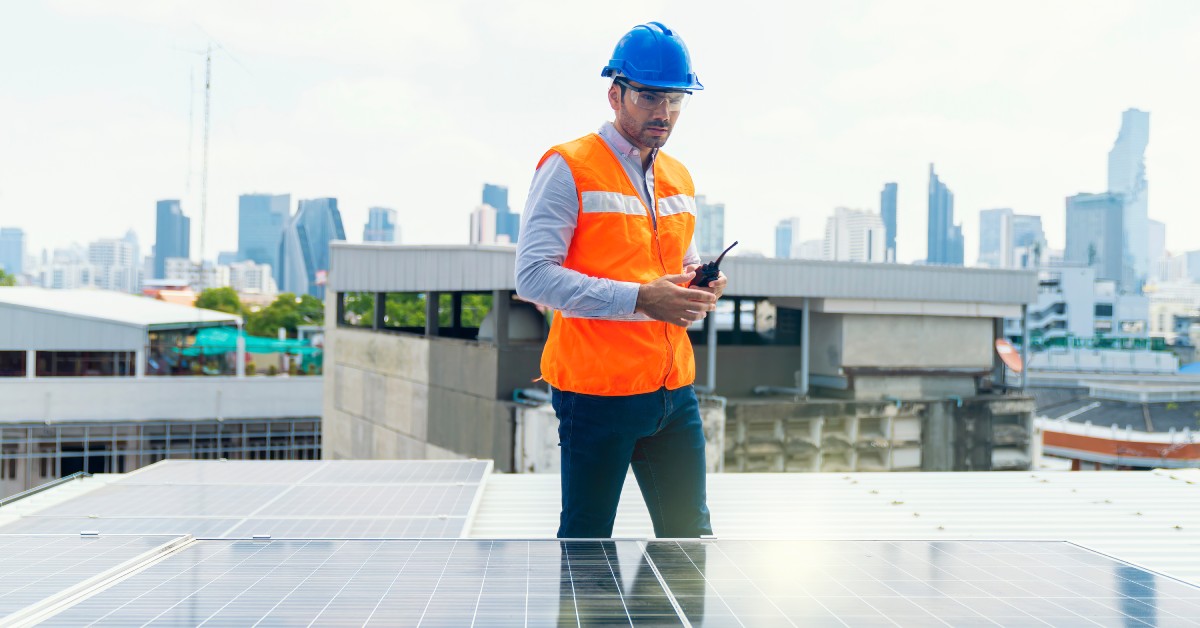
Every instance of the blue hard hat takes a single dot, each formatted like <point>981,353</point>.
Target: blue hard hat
<point>653,55</point>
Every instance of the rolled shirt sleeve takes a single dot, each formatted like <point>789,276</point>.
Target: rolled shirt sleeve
<point>547,226</point>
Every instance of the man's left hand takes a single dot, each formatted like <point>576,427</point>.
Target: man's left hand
<point>716,286</point>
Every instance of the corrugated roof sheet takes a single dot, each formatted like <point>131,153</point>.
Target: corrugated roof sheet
<point>108,305</point>
<point>382,268</point>
<point>1149,518</point>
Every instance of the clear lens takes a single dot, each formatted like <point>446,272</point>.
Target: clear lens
<point>651,100</point>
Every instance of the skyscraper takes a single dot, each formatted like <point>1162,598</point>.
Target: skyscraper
<point>483,226</point>
<point>12,250</point>
<point>1094,233</point>
<point>381,225</point>
<point>1156,247</point>
<point>507,223</point>
<point>172,235</point>
<point>304,247</point>
<point>887,210</point>
<point>783,238</point>
<point>945,240</point>
<point>261,218</point>
<point>710,227</point>
<point>1029,241</point>
<point>996,238</point>
<point>854,235</point>
<point>1127,177</point>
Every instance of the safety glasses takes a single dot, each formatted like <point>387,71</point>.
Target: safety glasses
<point>652,99</point>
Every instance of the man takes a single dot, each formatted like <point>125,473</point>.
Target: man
<point>607,241</point>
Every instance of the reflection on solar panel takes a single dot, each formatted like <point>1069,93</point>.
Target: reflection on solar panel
<point>343,499</point>
<point>702,583</point>
<point>36,567</point>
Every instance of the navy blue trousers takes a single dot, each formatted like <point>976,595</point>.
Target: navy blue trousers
<point>660,433</point>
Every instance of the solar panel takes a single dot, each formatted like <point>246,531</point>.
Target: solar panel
<point>37,567</point>
<point>196,526</point>
<point>709,583</point>
<point>342,499</point>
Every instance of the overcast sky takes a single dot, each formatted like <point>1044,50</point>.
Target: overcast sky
<point>414,105</point>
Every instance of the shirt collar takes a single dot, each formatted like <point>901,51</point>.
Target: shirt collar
<point>622,146</point>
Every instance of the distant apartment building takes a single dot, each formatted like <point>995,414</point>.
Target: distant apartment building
<point>1174,309</point>
<point>1073,302</point>
<point>809,249</point>
<point>172,235</point>
<point>1184,267</point>
<point>483,227</point>
<point>944,237</point>
<point>887,210</point>
<point>198,277</point>
<point>261,219</point>
<point>12,250</point>
<point>381,226</point>
<point>114,261</point>
<point>854,235</point>
<point>1095,234</point>
<point>710,227</point>
<point>250,278</point>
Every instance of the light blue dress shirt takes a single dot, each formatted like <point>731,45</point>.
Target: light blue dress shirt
<point>548,224</point>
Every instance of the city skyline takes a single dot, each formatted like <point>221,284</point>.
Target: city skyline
<point>316,113</point>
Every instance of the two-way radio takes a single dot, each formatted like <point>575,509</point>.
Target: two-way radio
<point>708,273</point>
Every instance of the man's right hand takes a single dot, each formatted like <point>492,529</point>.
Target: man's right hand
<point>665,300</point>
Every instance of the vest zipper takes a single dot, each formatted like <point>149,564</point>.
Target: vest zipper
<point>663,264</point>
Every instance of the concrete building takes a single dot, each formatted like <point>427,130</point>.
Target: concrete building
<point>1029,242</point>
<point>1184,267</point>
<point>710,227</point>
<point>1073,303</point>
<point>172,235</point>
<point>887,209</point>
<point>1095,234</point>
<point>261,219</point>
<point>854,235</point>
<point>101,381</point>
<point>844,346</point>
<point>12,250</point>
<point>945,240</point>
<point>381,226</point>
<point>996,238</point>
<point>1127,178</point>
<point>1174,306</point>
<point>809,249</point>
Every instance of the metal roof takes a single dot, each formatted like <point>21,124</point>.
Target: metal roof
<point>109,306</point>
<point>1149,518</point>
<point>386,267</point>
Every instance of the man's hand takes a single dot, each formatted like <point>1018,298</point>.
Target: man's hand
<point>665,300</point>
<point>716,286</point>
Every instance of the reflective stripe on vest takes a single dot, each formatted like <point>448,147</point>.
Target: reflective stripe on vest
<point>615,238</point>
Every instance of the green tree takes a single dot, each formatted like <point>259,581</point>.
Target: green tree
<point>220,299</point>
<point>7,279</point>
<point>287,311</point>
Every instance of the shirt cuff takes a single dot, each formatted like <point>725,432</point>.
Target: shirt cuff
<point>625,295</point>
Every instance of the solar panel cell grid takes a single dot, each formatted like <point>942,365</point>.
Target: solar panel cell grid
<point>479,582</point>
<point>35,567</point>
<point>118,525</point>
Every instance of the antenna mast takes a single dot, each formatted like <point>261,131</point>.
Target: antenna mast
<point>204,163</point>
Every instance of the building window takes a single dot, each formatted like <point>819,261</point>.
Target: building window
<point>358,309</point>
<point>1104,309</point>
<point>85,364</point>
<point>12,364</point>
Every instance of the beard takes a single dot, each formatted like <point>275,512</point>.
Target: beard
<point>634,129</point>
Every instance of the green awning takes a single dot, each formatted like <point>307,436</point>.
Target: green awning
<point>218,340</point>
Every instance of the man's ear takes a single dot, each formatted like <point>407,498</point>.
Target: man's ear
<point>614,97</point>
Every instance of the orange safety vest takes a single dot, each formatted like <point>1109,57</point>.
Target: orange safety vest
<point>615,238</point>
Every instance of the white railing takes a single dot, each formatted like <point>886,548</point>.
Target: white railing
<point>57,399</point>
